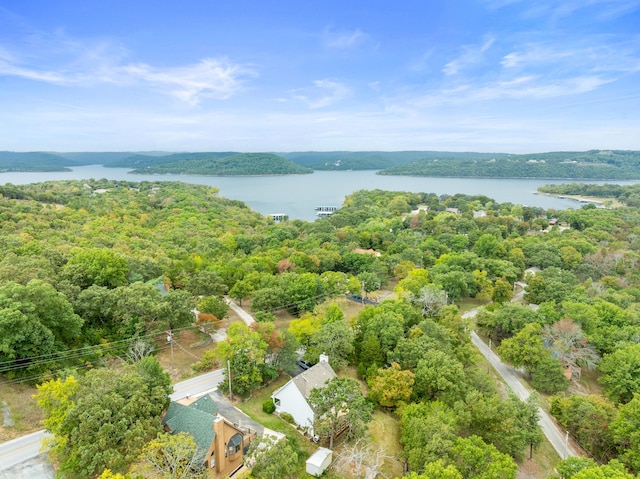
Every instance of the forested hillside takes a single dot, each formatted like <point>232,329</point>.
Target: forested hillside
<point>220,164</point>
<point>80,261</point>
<point>629,195</point>
<point>33,161</point>
<point>374,160</point>
<point>594,164</point>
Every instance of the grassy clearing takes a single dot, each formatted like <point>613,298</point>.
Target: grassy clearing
<point>188,347</point>
<point>467,304</point>
<point>385,432</point>
<point>23,408</point>
<point>542,466</point>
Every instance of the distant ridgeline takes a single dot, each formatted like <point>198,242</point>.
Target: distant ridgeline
<point>588,165</point>
<point>218,164</point>
<point>44,161</point>
<point>37,161</point>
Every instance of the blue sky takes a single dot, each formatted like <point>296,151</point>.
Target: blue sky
<point>206,75</point>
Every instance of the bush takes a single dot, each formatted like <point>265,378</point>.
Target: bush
<point>207,362</point>
<point>287,417</point>
<point>268,406</point>
<point>264,317</point>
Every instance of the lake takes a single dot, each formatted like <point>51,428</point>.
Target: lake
<point>298,195</point>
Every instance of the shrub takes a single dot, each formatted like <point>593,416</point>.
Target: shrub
<point>264,317</point>
<point>268,406</point>
<point>207,362</point>
<point>287,417</point>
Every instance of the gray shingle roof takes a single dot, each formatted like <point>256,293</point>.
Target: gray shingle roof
<point>314,377</point>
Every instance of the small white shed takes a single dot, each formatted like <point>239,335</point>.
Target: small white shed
<point>319,461</point>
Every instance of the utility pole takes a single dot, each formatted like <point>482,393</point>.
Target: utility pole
<point>170,341</point>
<point>229,372</point>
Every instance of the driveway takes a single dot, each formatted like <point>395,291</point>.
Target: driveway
<point>233,414</point>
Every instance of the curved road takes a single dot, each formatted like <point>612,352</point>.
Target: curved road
<point>556,436</point>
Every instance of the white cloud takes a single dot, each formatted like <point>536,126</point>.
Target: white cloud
<point>327,92</point>
<point>85,64</point>
<point>210,78</point>
<point>470,56</point>
<point>344,39</point>
<point>594,56</point>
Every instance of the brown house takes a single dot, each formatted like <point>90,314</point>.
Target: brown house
<point>221,444</point>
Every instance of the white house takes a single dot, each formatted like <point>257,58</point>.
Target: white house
<point>293,397</point>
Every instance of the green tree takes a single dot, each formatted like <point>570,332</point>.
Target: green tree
<point>525,349</point>
<point>213,305</point>
<point>56,397</point>
<point>439,376</point>
<point>427,432</point>
<point>271,458</point>
<point>488,246</point>
<point>305,327</point>
<point>391,386</point>
<point>477,460</point>
<point>588,419</point>
<point>102,267</point>
<point>206,283</point>
<point>613,470</point>
<point>548,376</point>
<point>240,291</point>
<point>502,291</point>
<point>245,350</point>
<point>37,321</point>
<point>108,419</point>
<point>436,470</point>
<point>340,399</point>
<point>334,339</point>
<point>569,467</point>
<point>621,373</point>
<point>626,431</point>
<point>174,456</point>
<point>303,291</point>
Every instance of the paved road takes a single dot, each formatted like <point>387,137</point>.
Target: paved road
<point>23,450</point>
<point>35,468</point>
<point>197,386</point>
<point>556,436</point>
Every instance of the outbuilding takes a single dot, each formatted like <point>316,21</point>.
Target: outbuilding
<point>319,461</point>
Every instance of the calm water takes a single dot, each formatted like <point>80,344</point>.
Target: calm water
<point>298,195</point>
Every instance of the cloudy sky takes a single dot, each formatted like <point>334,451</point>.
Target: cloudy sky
<point>204,75</point>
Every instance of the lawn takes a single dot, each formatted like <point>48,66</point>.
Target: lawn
<point>252,407</point>
<point>24,410</point>
<point>385,432</point>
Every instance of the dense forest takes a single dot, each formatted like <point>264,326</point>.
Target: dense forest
<point>593,165</point>
<point>80,262</point>
<point>219,164</point>
<point>629,195</point>
<point>37,161</point>
<point>375,160</point>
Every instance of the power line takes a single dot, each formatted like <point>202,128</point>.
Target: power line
<point>10,365</point>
